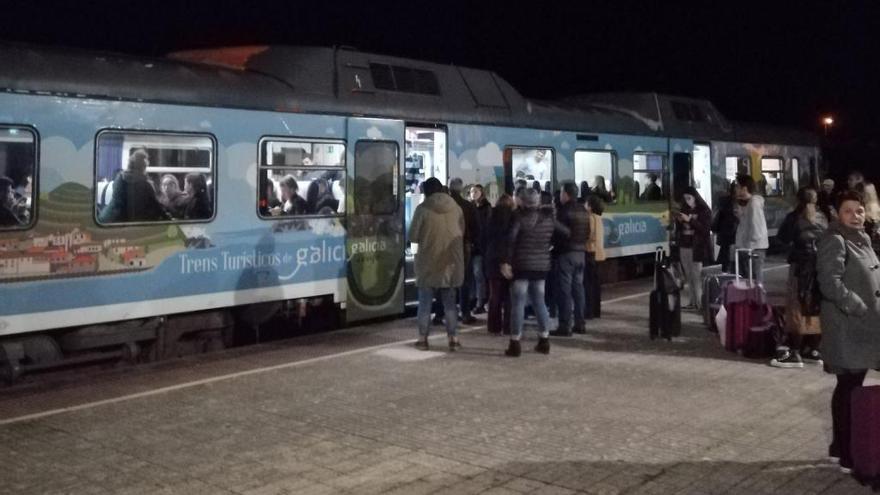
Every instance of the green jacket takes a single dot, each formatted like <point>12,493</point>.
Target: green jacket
<point>438,229</point>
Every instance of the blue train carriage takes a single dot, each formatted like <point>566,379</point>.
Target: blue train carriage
<point>780,160</point>
<point>307,162</point>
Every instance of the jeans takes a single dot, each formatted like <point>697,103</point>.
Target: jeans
<point>571,289</point>
<point>499,305</point>
<point>592,289</point>
<point>551,288</point>
<point>480,286</point>
<point>692,275</point>
<point>757,264</point>
<point>426,297</point>
<point>533,290</point>
<point>464,292</point>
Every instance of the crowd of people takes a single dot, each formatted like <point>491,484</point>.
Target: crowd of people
<point>475,258</point>
<point>134,196</point>
<point>833,286</point>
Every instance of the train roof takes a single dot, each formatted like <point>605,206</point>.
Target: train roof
<point>349,82</point>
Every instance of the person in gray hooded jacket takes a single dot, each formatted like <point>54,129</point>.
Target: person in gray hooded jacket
<point>751,232</point>
<point>849,279</point>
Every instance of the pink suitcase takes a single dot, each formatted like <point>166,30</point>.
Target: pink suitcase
<point>746,303</point>
<point>865,435</point>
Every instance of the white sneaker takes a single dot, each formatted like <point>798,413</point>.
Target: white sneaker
<point>786,358</point>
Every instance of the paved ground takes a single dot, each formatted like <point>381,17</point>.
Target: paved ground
<point>609,412</point>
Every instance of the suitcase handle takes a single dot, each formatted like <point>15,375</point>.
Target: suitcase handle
<point>751,256</point>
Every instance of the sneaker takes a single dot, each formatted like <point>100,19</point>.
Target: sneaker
<point>422,344</point>
<point>580,330</point>
<point>481,309</point>
<point>812,356</point>
<point>786,358</point>
<point>454,345</point>
<point>514,349</point>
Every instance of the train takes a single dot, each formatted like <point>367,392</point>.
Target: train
<point>344,138</point>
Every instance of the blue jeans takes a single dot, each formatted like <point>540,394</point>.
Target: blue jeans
<point>571,289</point>
<point>533,290</point>
<point>480,285</point>
<point>426,297</point>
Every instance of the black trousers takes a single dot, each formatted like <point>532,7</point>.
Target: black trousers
<point>841,414</point>
<point>592,289</point>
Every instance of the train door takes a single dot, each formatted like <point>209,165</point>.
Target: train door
<point>426,157</point>
<point>702,171</point>
<point>681,174</point>
<point>374,219</point>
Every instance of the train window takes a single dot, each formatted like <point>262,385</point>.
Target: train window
<point>595,169</point>
<point>649,176</point>
<point>735,165</point>
<point>772,181</point>
<point>404,79</point>
<point>301,177</point>
<point>375,185</point>
<point>154,177</point>
<point>18,164</point>
<point>530,165</point>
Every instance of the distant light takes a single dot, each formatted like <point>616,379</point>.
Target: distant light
<point>827,120</point>
<point>13,132</point>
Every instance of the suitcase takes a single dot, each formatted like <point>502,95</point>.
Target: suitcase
<point>746,305</point>
<point>665,300</point>
<point>714,285</point>
<point>865,434</point>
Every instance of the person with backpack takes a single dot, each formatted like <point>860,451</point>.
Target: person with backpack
<point>801,228</point>
<point>849,278</point>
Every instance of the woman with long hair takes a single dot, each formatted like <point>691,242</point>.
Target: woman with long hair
<point>497,233</point>
<point>802,228</point>
<point>595,254</point>
<point>692,224</point>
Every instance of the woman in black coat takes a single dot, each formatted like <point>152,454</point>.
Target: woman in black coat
<point>499,287</point>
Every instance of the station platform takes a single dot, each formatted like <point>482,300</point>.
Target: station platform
<point>361,411</point>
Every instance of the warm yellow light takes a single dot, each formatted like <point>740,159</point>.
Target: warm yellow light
<point>827,120</point>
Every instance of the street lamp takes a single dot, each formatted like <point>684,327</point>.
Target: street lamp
<point>827,121</point>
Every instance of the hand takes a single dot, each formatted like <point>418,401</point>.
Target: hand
<point>507,271</point>
<point>275,211</point>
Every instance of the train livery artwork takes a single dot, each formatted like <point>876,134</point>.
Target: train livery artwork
<point>149,196</point>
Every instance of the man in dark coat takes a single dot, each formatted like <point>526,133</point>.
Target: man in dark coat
<point>134,199</point>
<point>471,237</point>
<point>570,252</point>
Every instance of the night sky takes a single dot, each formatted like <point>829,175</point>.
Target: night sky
<point>775,62</point>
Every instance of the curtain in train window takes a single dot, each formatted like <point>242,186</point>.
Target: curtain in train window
<point>531,165</point>
<point>301,177</point>
<point>154,177</point>
<point>375,183</point>
<point>649,175</point>
<point>772,180</point>
<point>593,170</point>
<point>18,162</point>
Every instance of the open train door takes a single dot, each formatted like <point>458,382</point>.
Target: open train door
<point>374,219</point>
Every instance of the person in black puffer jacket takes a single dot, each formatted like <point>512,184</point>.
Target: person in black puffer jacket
<point>526,263</point>
<point>570,261</point>
<point>724,226</point>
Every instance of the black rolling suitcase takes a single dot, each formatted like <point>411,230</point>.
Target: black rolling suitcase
<point>665,303</point>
